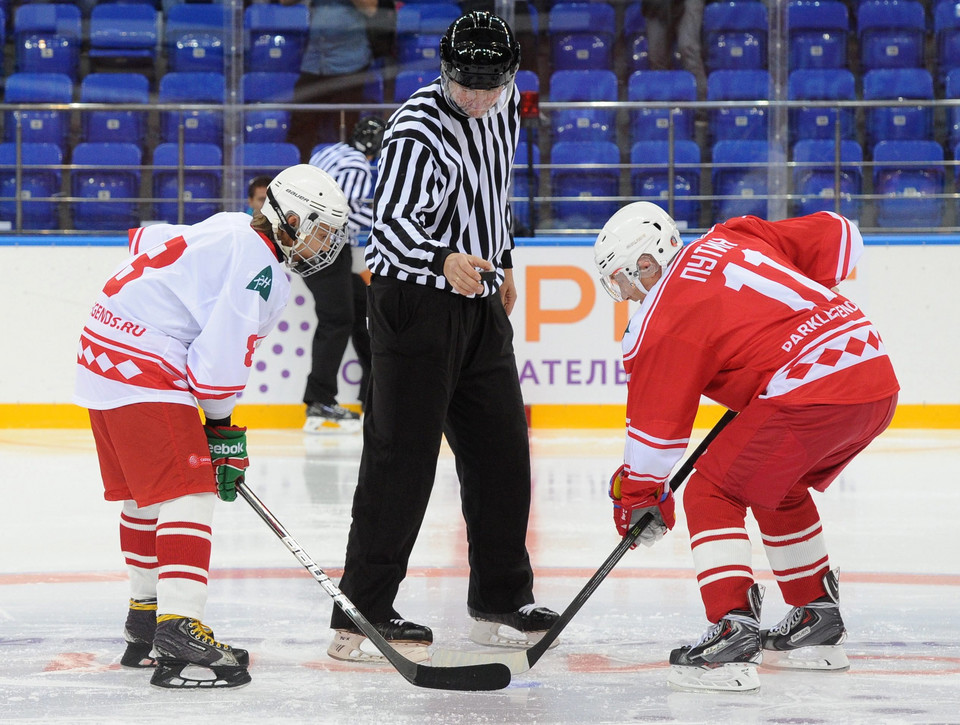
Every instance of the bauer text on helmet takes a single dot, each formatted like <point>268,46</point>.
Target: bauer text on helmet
<point>308,212</point>
<point>636,230</point>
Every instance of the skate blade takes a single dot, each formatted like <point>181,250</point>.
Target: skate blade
<point>820,658</point>
<point>329,427</point>
<point>355,647</point>
<point>731,677</point>
<point>494,634</point>
<point>170,675</point>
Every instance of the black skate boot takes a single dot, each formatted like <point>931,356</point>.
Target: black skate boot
<point>331,419</point>
<point>810,637</point>
<point>409,639</point>
<point>727,655</point>
<point>528,625</point>
<point>138,633</point>
<point>180,642</point>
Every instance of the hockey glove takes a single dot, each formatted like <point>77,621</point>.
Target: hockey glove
<point>630,506</point>
<point>228,453</point>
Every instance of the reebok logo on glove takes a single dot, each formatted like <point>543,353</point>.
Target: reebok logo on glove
<point>224,449</point>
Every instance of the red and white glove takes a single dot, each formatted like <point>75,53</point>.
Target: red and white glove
<point>631,501</point>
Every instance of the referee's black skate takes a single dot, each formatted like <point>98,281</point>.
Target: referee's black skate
<point>409,639</point>
<point>810,637</point>
<point>524,627</point>
<point>182,642</point>
<point>726,657</point>
<point>138,633</point>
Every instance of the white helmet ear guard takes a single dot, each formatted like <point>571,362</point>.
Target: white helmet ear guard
<point>636,229</point>
<point>320,209</point>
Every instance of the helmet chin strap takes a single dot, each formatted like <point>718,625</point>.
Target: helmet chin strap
<point>284,225</point>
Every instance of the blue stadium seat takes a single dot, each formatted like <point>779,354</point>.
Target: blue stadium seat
<point>738,122</point>
<point>653,124</point>
<point>635,38</point>
<point>580,210</point>
<point>198,183</point>
<point>814,176</point>
<point>408,82</point>
<point>268,126</point>
<point>650,178</point>
<point>952,91</point>
<point>821,84</point>
<point>419,29</point>
<point>818,32</point>
<point>48,38</point>
<point>581,36</point>
<point>276,37</point>
<point>194,36</point>
<point>583,124</point>
<point>124,35</point>
<point>740,170</point>
<point>264,159</point>
<point>38,126</point>
<point>892,34</point>
<point>946,28</point>
<point>521,187</point>
<point>735,35</point>
<point>898,123</point>
<point>35,183</point>
<point>908,175</point>
<point>115,125</point>
<point>192,87</point>
<point>102,181</point>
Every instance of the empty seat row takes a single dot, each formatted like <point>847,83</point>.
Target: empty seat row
<point>193,36</point>
<point>107,176</point>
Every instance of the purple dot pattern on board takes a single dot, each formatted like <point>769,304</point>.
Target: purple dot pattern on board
<point>284,373</point>
<point>299,299</point>
<point>261,366</point>
<point>300,352</point>
<point>304,326</point>
<point>283,326</point>
<point>263,388</point>
<point>277,349</point>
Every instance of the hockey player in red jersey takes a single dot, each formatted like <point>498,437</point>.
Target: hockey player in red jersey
<point>175,326</point>
<point>747,315</point>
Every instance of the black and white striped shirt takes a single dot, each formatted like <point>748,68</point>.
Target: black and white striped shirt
<point>444,184</point>
<point>351,170</point>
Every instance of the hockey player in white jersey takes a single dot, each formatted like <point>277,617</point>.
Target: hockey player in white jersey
<point>176,326</point>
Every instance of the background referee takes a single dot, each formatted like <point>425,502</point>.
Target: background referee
<point>442,348</point>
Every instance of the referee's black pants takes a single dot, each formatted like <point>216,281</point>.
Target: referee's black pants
<point>442,364</point>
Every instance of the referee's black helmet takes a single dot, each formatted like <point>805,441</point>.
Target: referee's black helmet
<point>367,135</point>
<point>479,51</point>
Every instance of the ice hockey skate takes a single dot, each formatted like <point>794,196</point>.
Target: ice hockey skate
<point>138,633</point>
<point>331,419</point>
<point>810,637</point>
<point>409,639</point>
<point>726,657</point>
<point>181,642</point>
<point>521,628</point>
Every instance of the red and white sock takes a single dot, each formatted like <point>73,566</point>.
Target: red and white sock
<point>184,535</point>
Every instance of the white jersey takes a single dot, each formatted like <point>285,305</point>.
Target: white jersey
<point>180,319</point>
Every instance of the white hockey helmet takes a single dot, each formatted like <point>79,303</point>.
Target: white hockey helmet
<point>321,209</point>
<point>636,229</point>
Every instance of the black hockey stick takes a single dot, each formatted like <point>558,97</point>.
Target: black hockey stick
<point>479,676</point>
<point>525,659</point>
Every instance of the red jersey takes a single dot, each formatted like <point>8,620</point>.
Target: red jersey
<point>745,312</point>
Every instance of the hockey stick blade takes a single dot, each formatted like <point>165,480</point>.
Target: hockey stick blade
<point>523,660</point>
<point>472,676</point>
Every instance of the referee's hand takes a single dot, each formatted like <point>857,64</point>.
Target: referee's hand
<point>461,271</point>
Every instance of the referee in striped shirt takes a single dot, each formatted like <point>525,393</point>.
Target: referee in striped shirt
<point>339,295</point>
<point>442,348</point>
